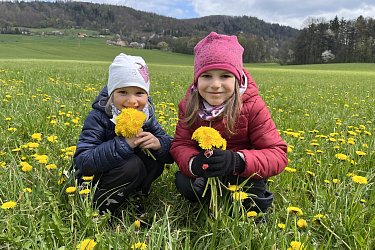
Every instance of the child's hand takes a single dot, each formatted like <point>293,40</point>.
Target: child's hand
<point>131,141</point>
<point>147,140</point>
<point>221,163</point>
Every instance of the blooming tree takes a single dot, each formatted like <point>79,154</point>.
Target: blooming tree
<point>327,56</point>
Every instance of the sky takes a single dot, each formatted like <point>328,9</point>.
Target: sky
<point>294,13</point>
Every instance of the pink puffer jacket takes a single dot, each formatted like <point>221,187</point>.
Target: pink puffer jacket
<point>256,138</point>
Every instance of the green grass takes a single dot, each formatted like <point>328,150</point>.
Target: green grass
<point>81,49</point>
<point>320,110</point>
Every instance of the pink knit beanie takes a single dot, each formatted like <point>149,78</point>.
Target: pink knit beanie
<point>217,51</point>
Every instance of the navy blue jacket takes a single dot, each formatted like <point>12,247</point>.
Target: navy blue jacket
<point>99,149</point>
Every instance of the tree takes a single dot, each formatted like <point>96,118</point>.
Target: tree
<point>162,45</point>
<point>327,56</point>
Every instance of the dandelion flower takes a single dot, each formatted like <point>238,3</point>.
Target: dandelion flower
<point>84,191</point>
<point>310,173</point>
<point>342,157</point>
<point>251,214</point>
<point>51,166</point>
<point>281,226</point>
<point>139,245</point>
<point>37,136</point>
<point>86,244</point>
<point>26,167</point>
<point>290,170</point>
<point>302,223</point>
<point>87,178</point>
<point>209,138</point>
<point>61,180</point>
<point>336,181</point>
<point>8,205</point>
<point>43,159</point>
<point>295,210</point>
<point>233,188</point>
<point>52,138</point>
<point>137,224</point>
<point>318,217</point>
<point>129,122</point>
<point>360,153</point>
<point>359,179</point>
<point>32,145</point>
<point>27,190</point>
<point>70,190</point>
<point>240,196</point>
<point>295,245</point>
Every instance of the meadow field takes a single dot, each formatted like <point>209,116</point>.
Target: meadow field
<point>325,198</point>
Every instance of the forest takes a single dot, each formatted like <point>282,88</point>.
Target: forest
<point>319,41</point>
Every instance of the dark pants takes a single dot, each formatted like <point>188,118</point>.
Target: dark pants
<point>116,185</point>
<point>192,189</point>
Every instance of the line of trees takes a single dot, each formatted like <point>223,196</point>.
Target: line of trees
<point>342,41</point>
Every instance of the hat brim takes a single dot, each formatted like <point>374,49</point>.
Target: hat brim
<point>219,66</point>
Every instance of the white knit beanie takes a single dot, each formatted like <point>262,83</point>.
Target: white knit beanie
<point>128,71</point>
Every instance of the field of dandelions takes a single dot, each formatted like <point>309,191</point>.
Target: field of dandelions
<point>324,199</point>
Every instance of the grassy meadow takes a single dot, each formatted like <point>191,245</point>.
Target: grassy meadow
<point>325,199</point>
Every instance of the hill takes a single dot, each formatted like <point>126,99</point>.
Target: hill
<point>154,31</point>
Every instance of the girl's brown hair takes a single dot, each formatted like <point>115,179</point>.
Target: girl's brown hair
<point>230,114</point>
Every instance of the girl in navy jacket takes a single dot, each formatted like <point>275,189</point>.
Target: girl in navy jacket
<point>119,165</point>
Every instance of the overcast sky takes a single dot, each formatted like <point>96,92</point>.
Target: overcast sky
<point>285,12</point>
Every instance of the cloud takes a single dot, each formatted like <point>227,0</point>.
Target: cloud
<point>286,12</point>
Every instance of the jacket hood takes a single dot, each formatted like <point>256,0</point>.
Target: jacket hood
<point>101,100</point>
<point>251,90</point>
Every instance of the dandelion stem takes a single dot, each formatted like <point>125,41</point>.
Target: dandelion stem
<point>214,184</point>
<point>338,237</point>
<point>148,152</point>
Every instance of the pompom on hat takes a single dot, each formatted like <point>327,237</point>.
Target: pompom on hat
<point>128,71</point>
<point>217,51</point>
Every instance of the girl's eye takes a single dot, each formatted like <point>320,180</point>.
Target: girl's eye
<point>227,76</point>
<point>205,76</point>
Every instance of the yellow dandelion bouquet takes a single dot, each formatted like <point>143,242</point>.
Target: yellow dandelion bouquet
<point>129,123</point>
<point>209,139</point>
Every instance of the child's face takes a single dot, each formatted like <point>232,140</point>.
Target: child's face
<point>216,86</point>
<point>130,97</point>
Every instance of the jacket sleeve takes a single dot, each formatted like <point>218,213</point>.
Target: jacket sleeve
<point>96,154</point>
<point>183,147</point>
<point>269,154</point>
<point>163,154</point>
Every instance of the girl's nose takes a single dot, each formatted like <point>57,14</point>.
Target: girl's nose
<point>131,100</point>
<point>215,83</point>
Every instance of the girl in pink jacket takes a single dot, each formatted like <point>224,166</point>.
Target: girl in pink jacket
<point>224,96</point>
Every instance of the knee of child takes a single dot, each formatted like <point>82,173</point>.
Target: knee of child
<point>134,168</point>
